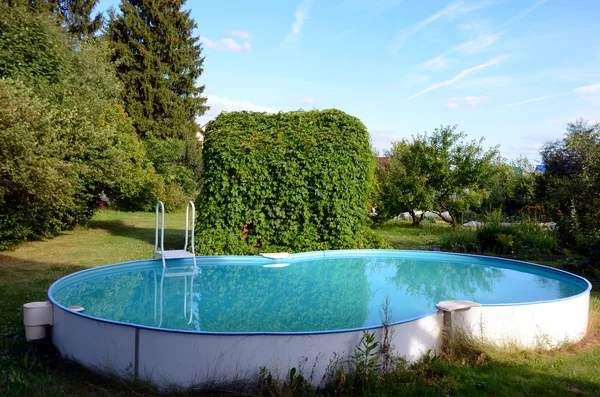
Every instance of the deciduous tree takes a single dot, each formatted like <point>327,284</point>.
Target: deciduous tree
<point>571,184</point>
<point>403,182</point>
<point>440,172</point>
<point>459,171</point>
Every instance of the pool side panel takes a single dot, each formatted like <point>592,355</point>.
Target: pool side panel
<point>107,347</point>
<point>174,357</point>
<point>190,359</point>
<point>545,325</point>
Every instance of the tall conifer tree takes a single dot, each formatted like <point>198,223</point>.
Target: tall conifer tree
<point>158,59</point>
<point>77,17</point>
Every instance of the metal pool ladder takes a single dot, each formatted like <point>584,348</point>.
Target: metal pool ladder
<point>174,272</point>
<point>174,254</point>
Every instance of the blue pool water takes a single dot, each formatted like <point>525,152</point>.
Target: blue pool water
<point>316,292</point>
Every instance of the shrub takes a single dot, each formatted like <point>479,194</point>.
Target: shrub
<point>569,187</point>
<point>64,137</point>
<point>30,48</point>
<point>518,239</point>
<point>290,181</point>
<point>515,239</point>
<point>460,240</point>
<point>37,185</point>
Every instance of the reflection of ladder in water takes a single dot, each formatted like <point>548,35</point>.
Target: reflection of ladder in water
<point>158,292</point>
<point>173,254</point>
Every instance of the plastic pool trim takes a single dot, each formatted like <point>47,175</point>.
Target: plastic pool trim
<point>257,260</point>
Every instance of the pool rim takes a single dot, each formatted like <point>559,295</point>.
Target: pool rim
<point>316,254</point>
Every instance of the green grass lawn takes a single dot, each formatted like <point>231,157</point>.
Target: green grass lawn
<point>29,369</point>
<point>403,236</point>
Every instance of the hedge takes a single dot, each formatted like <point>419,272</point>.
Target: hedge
<point>293,182</point>
<point>64,135</point>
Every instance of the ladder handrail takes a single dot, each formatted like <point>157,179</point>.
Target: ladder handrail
<point>160,207</point>
<point>159,204</point>
<point>187,207</point>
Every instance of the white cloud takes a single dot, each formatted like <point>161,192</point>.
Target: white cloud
<point>526,147</point>
<point>403,35</point>
<point>474,46</point>
<point>219,104</point>
<point>413,79</point>
<point>563,121</point>
<point>452,10</point>
<point>299,17</point>
<point>588,89</point>
<point>479,44</point>
<point>306,102</point>
<point>454,103</point>
<point>498,81</point>
<point>369,10</point>
<point>523,14</point>
<point>510,105</point>
<point>475,100</point>
<point>437,63</point>
<point>371,4</point>
<point>476,25</point>
<point>241,34</point>
<point>226,44</point>
<point>483,40</point>
<point>461,75</point>
<point>391,134</point>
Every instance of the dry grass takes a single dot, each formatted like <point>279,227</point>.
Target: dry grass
<point>28,270</point>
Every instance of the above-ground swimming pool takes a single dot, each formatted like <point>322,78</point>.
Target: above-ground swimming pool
<point>225,318</point>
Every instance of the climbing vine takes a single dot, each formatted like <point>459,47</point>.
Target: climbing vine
<point>293,181</point>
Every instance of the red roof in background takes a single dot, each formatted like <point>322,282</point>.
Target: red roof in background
<point>383,161</point>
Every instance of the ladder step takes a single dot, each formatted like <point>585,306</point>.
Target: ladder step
<point>173,254</point>
<point>179,274</point>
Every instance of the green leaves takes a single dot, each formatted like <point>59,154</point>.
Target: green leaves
<point>439,172</point>
<point>290,181</point>
<point>158,60</point>
<point>571,184</point>
<point>64,136</point>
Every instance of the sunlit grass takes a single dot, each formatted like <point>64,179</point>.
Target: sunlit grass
<point>27,271</point>
<point>402,235</point>
<point>110,237</point>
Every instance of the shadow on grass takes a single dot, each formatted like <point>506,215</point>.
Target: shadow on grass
<point>397,225</point>
<point>24,272</point>
<point>35,369</point>
<point>174,238</point>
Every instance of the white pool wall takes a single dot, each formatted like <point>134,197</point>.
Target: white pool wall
<point>184,359</point>
<point>168,358</point>
<point>533,326</point>
<point>96,344</point>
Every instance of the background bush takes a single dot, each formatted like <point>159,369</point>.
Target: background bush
<point>569,187</point>
<point>293,181</point>
<point>516,239</point>
<point>64,136</point>
<point>37,185</point>
<point>180,182</point>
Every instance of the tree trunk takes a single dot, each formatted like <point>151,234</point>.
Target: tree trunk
<point>448,219</point>
<point>416,218</point>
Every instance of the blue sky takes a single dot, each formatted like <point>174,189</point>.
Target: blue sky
<point>512,71</point>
